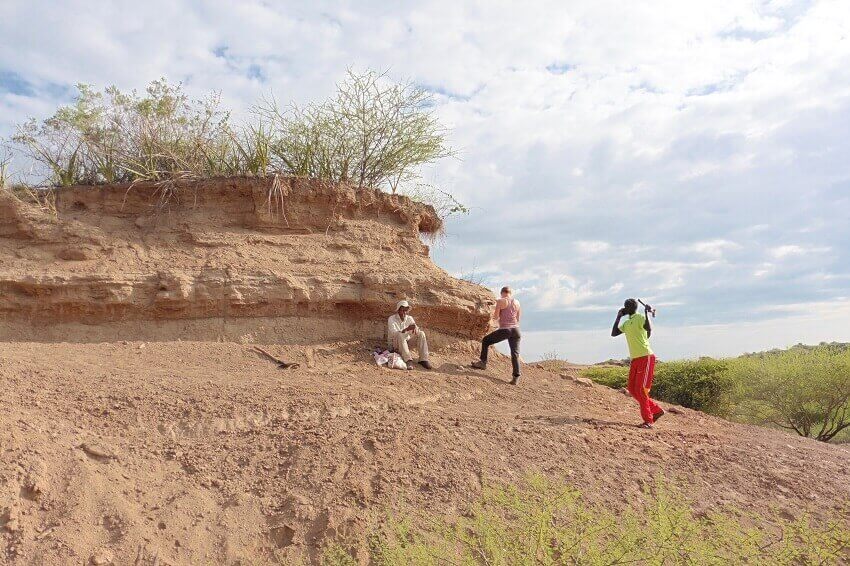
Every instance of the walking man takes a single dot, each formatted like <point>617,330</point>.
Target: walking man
<point>403,333</point>
<point>507,312</point>
<point>638,329</point>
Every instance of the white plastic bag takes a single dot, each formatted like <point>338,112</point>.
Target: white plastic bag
<point>395,362</point>
<point>382,358</point>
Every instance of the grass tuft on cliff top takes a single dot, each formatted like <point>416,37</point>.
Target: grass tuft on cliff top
<point>372,132</point>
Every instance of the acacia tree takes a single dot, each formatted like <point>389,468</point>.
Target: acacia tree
<point>372,133</point>
<point>807,391</point>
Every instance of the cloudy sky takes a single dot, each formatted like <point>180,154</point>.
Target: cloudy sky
<point>694,154</point>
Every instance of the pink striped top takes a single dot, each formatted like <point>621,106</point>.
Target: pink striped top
<point>508,315</point>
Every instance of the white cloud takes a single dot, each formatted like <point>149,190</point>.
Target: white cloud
<point>558,290</point>
<point>781,252</point>
<point>588,247</point>
<point>712,248</point>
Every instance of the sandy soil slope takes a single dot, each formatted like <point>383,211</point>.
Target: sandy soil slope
<point>203,452</point>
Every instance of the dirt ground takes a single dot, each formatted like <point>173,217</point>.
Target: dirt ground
<point>204,452</point>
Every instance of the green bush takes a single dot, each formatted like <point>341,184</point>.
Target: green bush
<point>615,377</point>
<point>804,390</point>
<point>703,384</point>
<point>549,522</point>
<point>114,137</point>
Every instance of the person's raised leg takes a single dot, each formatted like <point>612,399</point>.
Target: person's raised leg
<point>637,370</point>
<point>493,338</point>
<point>656,410</point>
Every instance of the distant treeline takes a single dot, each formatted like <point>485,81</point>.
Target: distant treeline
<point>805,389</point>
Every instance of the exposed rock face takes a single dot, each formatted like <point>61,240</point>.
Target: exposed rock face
<point>219,260</point>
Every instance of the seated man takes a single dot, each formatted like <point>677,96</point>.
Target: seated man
<point>402,333</point>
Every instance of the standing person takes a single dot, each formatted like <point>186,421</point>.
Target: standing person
<point>507,312</point>
<point>402,333</point>
<point>638,329</point>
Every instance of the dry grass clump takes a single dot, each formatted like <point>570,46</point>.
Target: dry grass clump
<point>42,197</point>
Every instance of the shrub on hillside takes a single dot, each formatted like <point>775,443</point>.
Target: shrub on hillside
<point>702,384</point>
<point>548,522</point>
<point>614,377</point>
<point>804,390</point>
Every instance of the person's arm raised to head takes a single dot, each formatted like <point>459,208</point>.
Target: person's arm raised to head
<point>646,324</point>
<point>500,304</point>
<point>615,331</point>
<point>518,311</point>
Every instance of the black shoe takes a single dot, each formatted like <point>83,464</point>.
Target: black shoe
<point>645,425</point>
<point>410,364</point>
<point>478,364</point>
<point>515,380</point>
<point>657,416</point>
<point>426,364</point>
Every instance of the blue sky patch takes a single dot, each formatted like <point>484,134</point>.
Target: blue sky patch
<point>15,84</point>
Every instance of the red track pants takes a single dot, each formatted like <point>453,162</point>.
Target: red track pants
<point>641,372</point>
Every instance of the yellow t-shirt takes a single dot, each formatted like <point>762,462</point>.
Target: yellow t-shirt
<point>636,336</point>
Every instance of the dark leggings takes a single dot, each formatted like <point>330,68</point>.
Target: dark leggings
<point>513,337</point>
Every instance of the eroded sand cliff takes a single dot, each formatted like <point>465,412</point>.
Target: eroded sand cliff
<point>219,261</point>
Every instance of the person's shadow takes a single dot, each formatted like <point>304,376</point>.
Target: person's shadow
<point>574,421</point>
<point>459,370</point>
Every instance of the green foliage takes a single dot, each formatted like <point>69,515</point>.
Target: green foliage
<point>252,153</point>
<point>804,389</point>
<point>334,554</point>
<point>702,384</point>
<point>548,522</point>
<point>373,133</point>
<point>807,391</point>
<point>614,377</point>
<point>113,137</point>
<point>444,203</point>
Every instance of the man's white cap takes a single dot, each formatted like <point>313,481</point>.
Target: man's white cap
<point>402,304</point>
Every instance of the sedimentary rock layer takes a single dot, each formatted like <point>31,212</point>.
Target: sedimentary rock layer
<point>294,260</point>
